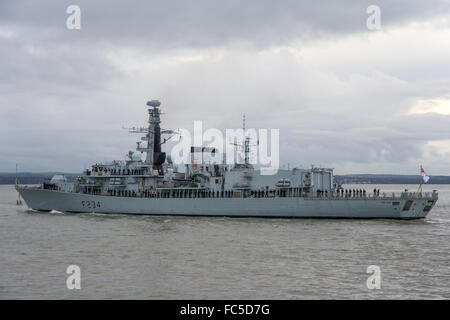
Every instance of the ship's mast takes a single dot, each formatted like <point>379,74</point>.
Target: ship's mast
<point>246,144</point>
<point>154,156</point>
<point>154,131</point>
<point>19,201</point>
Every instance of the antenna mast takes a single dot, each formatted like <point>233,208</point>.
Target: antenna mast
<point>19,201</point>
<point>246,142</point>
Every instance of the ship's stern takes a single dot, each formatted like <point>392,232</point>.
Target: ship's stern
<point>417,208</point>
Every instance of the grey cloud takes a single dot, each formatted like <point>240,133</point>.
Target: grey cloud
<point>179,23</point>
<point>62,101</point>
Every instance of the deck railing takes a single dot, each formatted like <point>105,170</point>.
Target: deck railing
<point>382,196</point>
<point>202,193</point>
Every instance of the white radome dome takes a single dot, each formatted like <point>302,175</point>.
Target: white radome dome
<point>58,178</point>
<point>136,156</point>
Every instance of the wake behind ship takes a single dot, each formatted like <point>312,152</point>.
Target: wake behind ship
<point>156,186</point>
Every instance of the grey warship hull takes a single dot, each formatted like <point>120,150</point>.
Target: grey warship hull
<point>207,185</point>
<point>404,206</point>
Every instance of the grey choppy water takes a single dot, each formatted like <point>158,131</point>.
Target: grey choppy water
<point>150,257</point>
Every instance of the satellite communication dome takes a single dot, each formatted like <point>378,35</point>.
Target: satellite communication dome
<point>136,156</point>
<point>153,103</point>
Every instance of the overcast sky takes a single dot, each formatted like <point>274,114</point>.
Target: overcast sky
<point>343,96</point>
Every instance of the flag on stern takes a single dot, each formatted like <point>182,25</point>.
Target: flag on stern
<point>425,176</point>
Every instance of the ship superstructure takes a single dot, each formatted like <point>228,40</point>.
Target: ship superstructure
<point>155,185</point>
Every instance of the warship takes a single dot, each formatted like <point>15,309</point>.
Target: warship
<point>157,186</point>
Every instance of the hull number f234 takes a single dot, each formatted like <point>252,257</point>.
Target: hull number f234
<point>91,204</point>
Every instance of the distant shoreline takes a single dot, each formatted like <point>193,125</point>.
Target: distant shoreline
<point>37,178</point>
